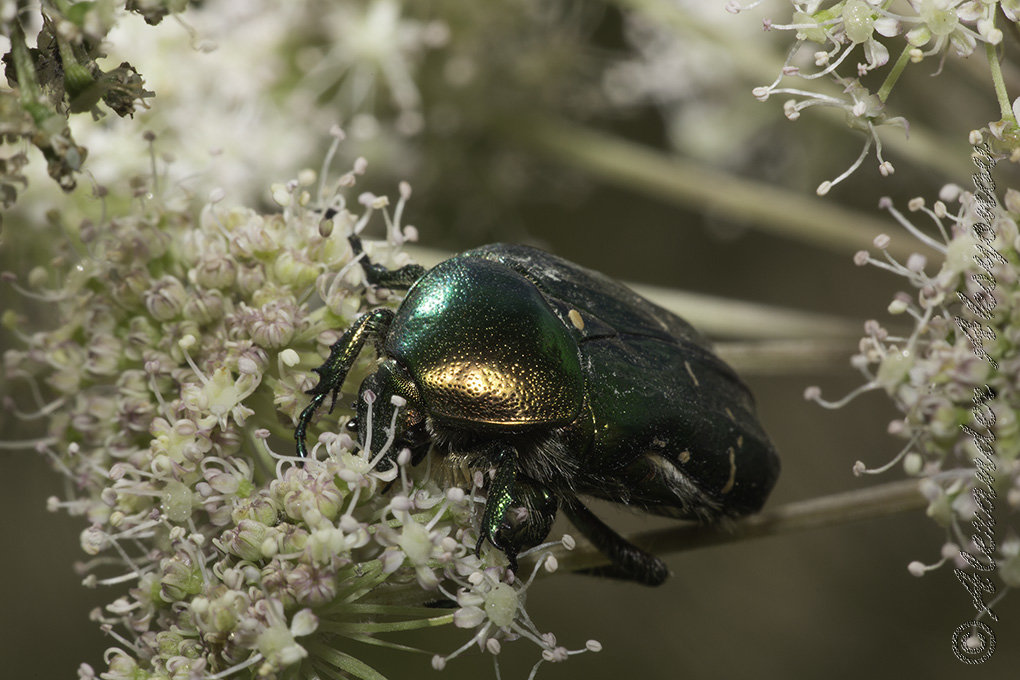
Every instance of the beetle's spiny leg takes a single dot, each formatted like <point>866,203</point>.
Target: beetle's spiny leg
<point>628,560</point>
<point>333,371</point>
<point>378,275</point>
<point>326,377</point>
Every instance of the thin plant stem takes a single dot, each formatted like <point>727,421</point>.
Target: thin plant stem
<point>826,511</point>
<point>894,73</point>
<point>31,95</point>
<point>725,317</point>
<point>1005,108</point>
<point>788,357</point>
<point>694,185</point>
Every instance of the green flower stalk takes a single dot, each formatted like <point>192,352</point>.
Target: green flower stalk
<point>169,390</point>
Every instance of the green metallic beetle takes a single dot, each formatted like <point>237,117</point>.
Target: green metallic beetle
<point>566,383</point>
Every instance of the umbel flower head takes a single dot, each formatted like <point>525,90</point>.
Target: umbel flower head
<point>847,41</point>
<point>173,379</point>
<point>955,377</point>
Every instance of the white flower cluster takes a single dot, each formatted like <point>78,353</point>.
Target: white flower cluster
<point>856,35</point>
<point>170,387</point>
<point>956,378</point>
<point>260,67</point>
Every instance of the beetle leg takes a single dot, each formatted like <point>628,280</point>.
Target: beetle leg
<point>529,518</point>
<point>378,275</point>
<point>628,561</point>
<point>334,370</point>
<point>498,499</point>
<point>303,420</point>
<point>518,511</point>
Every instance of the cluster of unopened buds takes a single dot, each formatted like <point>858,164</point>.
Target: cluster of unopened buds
<point>169,389</point>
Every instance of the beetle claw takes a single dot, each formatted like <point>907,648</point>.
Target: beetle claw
<point>486,535</point>
<point>508,551</point>
<point>478,545</point>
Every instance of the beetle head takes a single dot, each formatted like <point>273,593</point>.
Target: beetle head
<point>389,415</point>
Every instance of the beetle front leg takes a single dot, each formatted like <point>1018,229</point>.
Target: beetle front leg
<point>333,371</point>
<point>628,561</point>
<point>498,500</point>
<point>519,512</point>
